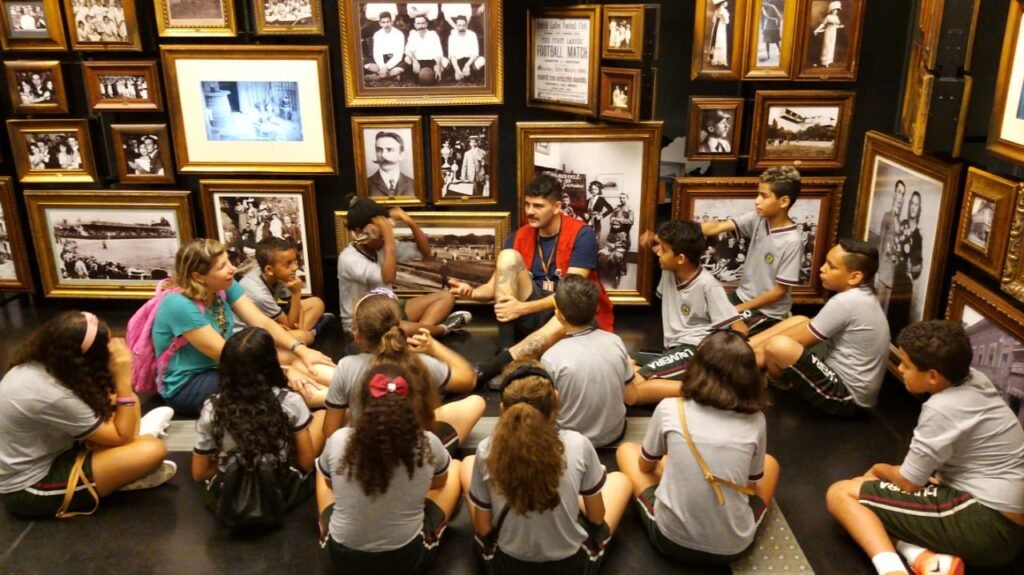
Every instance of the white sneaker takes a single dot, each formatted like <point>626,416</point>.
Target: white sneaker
<point>456,321</point>
<point>154,478</point>
<point>155,422</point>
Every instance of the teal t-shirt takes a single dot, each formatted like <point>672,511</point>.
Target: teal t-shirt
<point>178,314</point>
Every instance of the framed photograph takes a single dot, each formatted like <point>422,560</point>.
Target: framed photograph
<point>609,176</point>
<point>256,109</point>
<point>828,47</point>
<point>770,45</point>
<point>816,212</point>
<point>36,87</point>
<point>807,129</point>
<point>389,158</point>
<point>718,37</point>
<point>31,25</point>
<point>621,91</point>
<point>996,330</point>
<point>415,54</point>
<point>1006,131</point>
<point>563,49</point>
<point>107,244</point>
<point>291,17</point>
<point>464,159</point>
<point>715,128</point>
<point>143,153</point>
<point>195,18</point>
<point>464,244</point>
<point>241,213</point>
<point>15,273</point>
<point>103,25</point>
<point>905,208</point>
<point>52,151</point>
<point>620,21</point>
<point>988,208</point>
<point>122,86</point>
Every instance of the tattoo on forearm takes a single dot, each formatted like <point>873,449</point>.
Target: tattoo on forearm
<point>507,275</point>
<point>530,347</point>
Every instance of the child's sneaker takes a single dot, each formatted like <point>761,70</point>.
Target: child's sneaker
<point>456,321</point>
<point>323,323</point>
<point>156,421</point>
<point>154,478</point>
<point>932,563</point>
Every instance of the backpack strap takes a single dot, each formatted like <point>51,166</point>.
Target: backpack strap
<point>708,476</point>
<point>77,476</point>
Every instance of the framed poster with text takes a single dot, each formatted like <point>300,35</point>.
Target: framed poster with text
<point>563,55</point>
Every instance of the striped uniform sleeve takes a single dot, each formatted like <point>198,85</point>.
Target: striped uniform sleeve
<point>932,445</point>
<point>299,416</point>
<point>720,309</point>
<point>440,371</point>
<point>442,459</point>
<point>653,447</point>
<point>831,320</point>
<point>478,490</point>
<point>757,462</point>
<point>746,224</point>
<point>205,444</point>
<point>594,474</point>
<point>628,375</point>
<point>340,387</point>
<point>788,271</point>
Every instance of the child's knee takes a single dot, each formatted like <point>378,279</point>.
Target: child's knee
<point>842,493</point>
<point>781,349</point>
<point>626,454</point>
<point>149,450</point>
<point>508,258</point>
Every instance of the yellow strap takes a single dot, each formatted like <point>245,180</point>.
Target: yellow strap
<point>69,493</point>
<point>708,476</point>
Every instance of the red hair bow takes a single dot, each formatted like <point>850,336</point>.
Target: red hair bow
<point>381,385</point>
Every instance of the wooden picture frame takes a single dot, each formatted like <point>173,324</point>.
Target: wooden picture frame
<point>814,60</point>
<point>472,263</point>
<point>988,209</point>
<point>206,18</point>
<point>365,88</point>
<point>719,36</point>
<point>807,129</point>
<point>458,181</point>
<point>17,36</point>
<point>624,41</point>
<point>54,158</point>
<point>1006,131</point>
<point>715,127</point>
<point>92,31</point>
<point>107,243</point>
<point>15,270</point>
<point>36,87</point>
<point>772,23</point>
<point>562,48</point>
<point>816,212</point>
<point>601,160</point>
<point>284,124</point>
<point>621,92</point>
<point>123,86</point>
<point>230,208</point>
<point>143,153</point>
<point>273,23</point>
<point>406,150</point>
<point>912,248</point>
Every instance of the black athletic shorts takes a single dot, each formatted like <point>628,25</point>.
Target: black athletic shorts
<point>756,321</point>
<point>821,386</point>
<point>415,556</point>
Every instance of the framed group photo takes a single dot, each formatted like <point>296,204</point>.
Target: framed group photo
<point>108,25</point>
<point>464,159</point>
<point>621,91</point>
<point>389,158</point>
<point>985,217</point>
<point>623,27</point>
<point>254,109</point>
<point>36,87</point>
<point>123,86</point>
<point>718,39</point>
<point>563,58</point>
<point>609,177</point>
<point>195,18</point>
<point>1006,130</point>
<point>715,126</point>
<point>107,244</point>
<point>52,151</point>
<point>31,25</point>
<point>241,213</point>
<point>772,36</point>
<point>15,270</point>
<point>288,17</point>
<point>143,153</point>
<point>828,45</point>
<point>809,129</point>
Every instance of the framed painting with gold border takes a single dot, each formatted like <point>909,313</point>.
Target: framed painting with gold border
<point>122,86</point>
<point>15,35</point>
<point>1006,131</point>
<point>985,218</point>
<point>719,36</point>
<point>113,27</point>
<point>563,58</point>
<point>395,140</point>
<point>195,18</point>
<point>15,270</point>
<point>143,153</point>
<point>274,19</point>
<point>52,151</point>
<point>770,45</point>
<point>808,129</point>
<point>458,181</point>
<point>718,118</point>
<point>621,92</point>
<point>624,41</point>
<point>828,40</point>
<point>48,97</point>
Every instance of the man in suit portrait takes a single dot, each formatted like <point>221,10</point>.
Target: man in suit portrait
<point>388,181</point>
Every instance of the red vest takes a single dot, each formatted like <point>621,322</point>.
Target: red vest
<point>525,243</point>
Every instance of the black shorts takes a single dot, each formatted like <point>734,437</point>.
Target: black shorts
<point>821,386</point>
<point>449,438</point>
<point>755,320</point>
<point>415,556</point>
<point>586,561</point>
<point>530,323</point>
<point>44,497</point>
<point>669,365</point>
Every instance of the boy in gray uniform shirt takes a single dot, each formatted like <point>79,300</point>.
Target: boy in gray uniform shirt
<point>774,253</point>
<point>959,493</point>
<point>847,379</point>
<point>589,367</point>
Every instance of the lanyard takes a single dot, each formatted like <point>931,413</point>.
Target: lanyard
<point>546,265</point>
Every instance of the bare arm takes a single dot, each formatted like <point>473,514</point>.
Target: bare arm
<point>482,522</point>
<point>463,375</point>
<point>439,481</point>
<point>719,227</point>
<point>294,318</point>
<point>891,473</point>
<point>203,467</point>
<point>251,315</point>
<point>304,455</point>
<point>389,255</point>
<point>422,242</point>
<point>593,507</point>
<point>764,298</point>
<point>122,427</point>
<point>483,292</point>
<point>207,340</point>
<point>334,420</point>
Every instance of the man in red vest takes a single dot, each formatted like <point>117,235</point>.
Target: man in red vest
<point>554,245</point>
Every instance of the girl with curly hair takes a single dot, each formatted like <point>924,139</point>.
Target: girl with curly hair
<point>66,403</point>
<point>373,477</point>
<point>376,327</point>
<point>525,483</point>
<point>253,416</point>
<point>722,416</point>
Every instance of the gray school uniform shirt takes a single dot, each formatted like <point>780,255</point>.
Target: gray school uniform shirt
<point>39,420</point>
<point>383,522</point>
<point>343,392</point>
<point>359,272</point>
<point>294,407</point>
<point>554,534</point>
<point>590,370</point>
<point>773,256</point>
<point>854,328</point>
<point>691,309</point>
<point>733,446</point>
<point>967,436</point>
<point>263,295</point>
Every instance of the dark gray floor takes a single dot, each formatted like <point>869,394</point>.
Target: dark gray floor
<point>168,530</point>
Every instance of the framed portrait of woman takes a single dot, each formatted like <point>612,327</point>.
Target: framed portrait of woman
<point>718,39</point>
<point>829,40</point>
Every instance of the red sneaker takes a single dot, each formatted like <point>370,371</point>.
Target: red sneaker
<point>932,563</point>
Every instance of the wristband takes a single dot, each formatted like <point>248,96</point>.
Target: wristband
<point>296,344</point>
<point>125,401</point>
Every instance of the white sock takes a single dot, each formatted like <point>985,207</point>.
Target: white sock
<point>888,562</point>
<point>909,551</point>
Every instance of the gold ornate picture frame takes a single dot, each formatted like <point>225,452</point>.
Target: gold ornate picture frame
<point>112,26</point>
<point>464,160</point>
<point>621,92</point>
<point>278,18</point>
<point>715,128</point>
<point>1006,131</point>
<point>563,60</point>
<point>771,41</point>
<point>143,153</point>
<point>33,25</point>
<point>808,129</point>
<point>36,86</point>
<point>122,86</point>
<point>389,159</point>
<point>828,42</point>
<point>622,32</point>
<point>195,18</point>
<point>15,269</point>
<point>719,36</point>
<point>52,151</point>
<point>985,216</point>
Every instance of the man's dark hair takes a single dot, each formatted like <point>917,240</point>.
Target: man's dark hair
<point>684,238</point>
<point>361,211</point>
<point>545,186</point>
<point>860,257</point>
<point>938,344</point>
<point>576,297</point>
<point>267,249</point>
<point>783,181</point>
<point>384,14</point>
<point>393,135</point>
<point>461,17</point>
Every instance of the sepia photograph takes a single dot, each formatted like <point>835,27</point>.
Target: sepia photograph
<point>809,129</point>
<point>771,38</point>
<point>620,94</point>
<point>986,220</point>
<point>7,270</point>
<point>143,153</point>
<point>389,158</point>
<point>830,39</point>
<point>620,33</point>
<point>195,18</point>
<point>31,25</point>
<point>980,226</point>
<point>715,127</point>
<point>103,24</point>
<point>801,132</point>
<point>252,111</point>
<point>563,48</point>
<point>52,151</point>
<point>717,130</point>
<point>123,86</point>
<point>26,19</point>
<point>15,270</point>
<point>114,87</point>
<point>36,86</point>
<point>288,17</point>
<point>463,156</point>
<point>718,39</point>
<point>769,33</point>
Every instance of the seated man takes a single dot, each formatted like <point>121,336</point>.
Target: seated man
<point>464,50</point>
<point>388,49</point>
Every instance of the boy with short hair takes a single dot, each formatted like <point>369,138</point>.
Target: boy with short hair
<point>772,263</point>
<point>589,367</point>
<point>847,379</point>
<point>693,304</point>
<point>960,489</point>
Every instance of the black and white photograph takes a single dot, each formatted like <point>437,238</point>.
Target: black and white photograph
<point>620,95</point>
<point>7,270</point>
<point>288,13</point>
<point>716,133</point>
<point>463,253</point>
<point>35,87</point>
<point>465,162</point>
<point>53,151</point>
<point>389,167</point>
<point>142,154</point>
<point>252,111</point>
<point>999,355</point>
<point>26,20</point>
<point>718,34</point>
<point>829,39</point>
<point>769,35</point>
<point>801,132</point>
<point>99,22</point>
<point>620,33</point>
<point>182,13</point>
<point>982,212</point>
<point>123,87</point>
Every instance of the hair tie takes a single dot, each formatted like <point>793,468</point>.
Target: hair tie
<point>524,371</point>
<point>381,385</point>
<point>381,291</point>
<point>91,325</point>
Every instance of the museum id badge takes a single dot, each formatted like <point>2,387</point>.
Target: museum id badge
<point>548,285</point>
